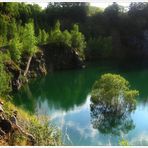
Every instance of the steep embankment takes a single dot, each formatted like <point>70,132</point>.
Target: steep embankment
<point>50,57</point>
<point>38,127</point>
<point>60,56</point>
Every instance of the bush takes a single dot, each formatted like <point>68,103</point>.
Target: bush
<point>123,142</point>
<point>78,41</point>
<point>29,40</point>
<point>4,76</point>
<point>73,39</point>
<point>44,132</point>
<point>113,94</point>
<point>42,37</point>
<point>15,49</point>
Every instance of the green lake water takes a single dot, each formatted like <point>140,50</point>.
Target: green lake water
<point>65,97</point>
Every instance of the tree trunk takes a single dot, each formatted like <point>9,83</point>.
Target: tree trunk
<point>28,65</point>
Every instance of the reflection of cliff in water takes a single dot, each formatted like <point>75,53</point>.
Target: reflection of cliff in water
<point>69,88</point>
<point>62,90</point>
<point>111,123</point>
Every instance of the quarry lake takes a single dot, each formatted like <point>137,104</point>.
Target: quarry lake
<point>64,96</point>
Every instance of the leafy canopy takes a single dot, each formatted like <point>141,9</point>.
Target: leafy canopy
<point>112,92</point>
<point>29,39</point>
<point>74,39</point>
<point>4,76</point>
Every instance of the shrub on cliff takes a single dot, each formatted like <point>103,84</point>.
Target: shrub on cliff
<point>4,76</point>
<point>15,49</point>
<point>78,40</point>
<point>73,39</point>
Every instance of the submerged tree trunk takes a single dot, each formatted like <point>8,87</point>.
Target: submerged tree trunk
<point>28,65</point>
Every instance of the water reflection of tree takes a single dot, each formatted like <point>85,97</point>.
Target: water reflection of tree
<point>61,90</point>
<point>110,123</point>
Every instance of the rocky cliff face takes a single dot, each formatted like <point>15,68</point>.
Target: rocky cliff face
<point>59,57</point>
<point>52,57</point>
<point>15,73</point>
<point>49,58</point>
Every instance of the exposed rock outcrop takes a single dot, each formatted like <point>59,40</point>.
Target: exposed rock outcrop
<point>60,56</point>
<point>15,72</point>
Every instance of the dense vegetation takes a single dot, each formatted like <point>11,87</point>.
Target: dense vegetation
<point>124,32</point>
<point>78,29</point>
<point>45,134</point>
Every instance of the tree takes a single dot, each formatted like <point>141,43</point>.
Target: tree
<point>66,38</point>
<point>4,77</point>
<point>29,39</point>
<point>78,40</point>
<point>3,29</point>
<point>15,49</point>
<point>112,102</point>
<point>42,37</point>
<point>112,94</point>
<point>29,43</point>
<point>56,34</point>
<point>12,30</point>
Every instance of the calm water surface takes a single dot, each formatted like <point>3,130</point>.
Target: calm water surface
<point>65,97</point>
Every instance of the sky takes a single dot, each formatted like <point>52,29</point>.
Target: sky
<point>102,4</point>
<point>97,3</point>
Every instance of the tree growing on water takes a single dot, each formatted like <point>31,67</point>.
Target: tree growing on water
<point>112,94</point>
<point>112,102</point>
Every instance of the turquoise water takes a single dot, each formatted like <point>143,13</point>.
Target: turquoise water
<point>65,97</point>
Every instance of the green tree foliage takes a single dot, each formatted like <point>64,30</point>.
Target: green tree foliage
<point>9,9</point>
<point>12,30</point>
<point>94,10</point>
<point>45,133</point>
<point>15,49</point>
<point>74,39</point>
<point>78,40</point>
<point>123,142</point>
<point>56,34</point>
<point>68,13</point>
<point>112,102</point>
<point>29,39</point>
<point>101,46</point>
<point>67,38</point>
<point>112,92</point>
<point>42,37</point>
<point>3,29</point>
<point>4,76</point>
